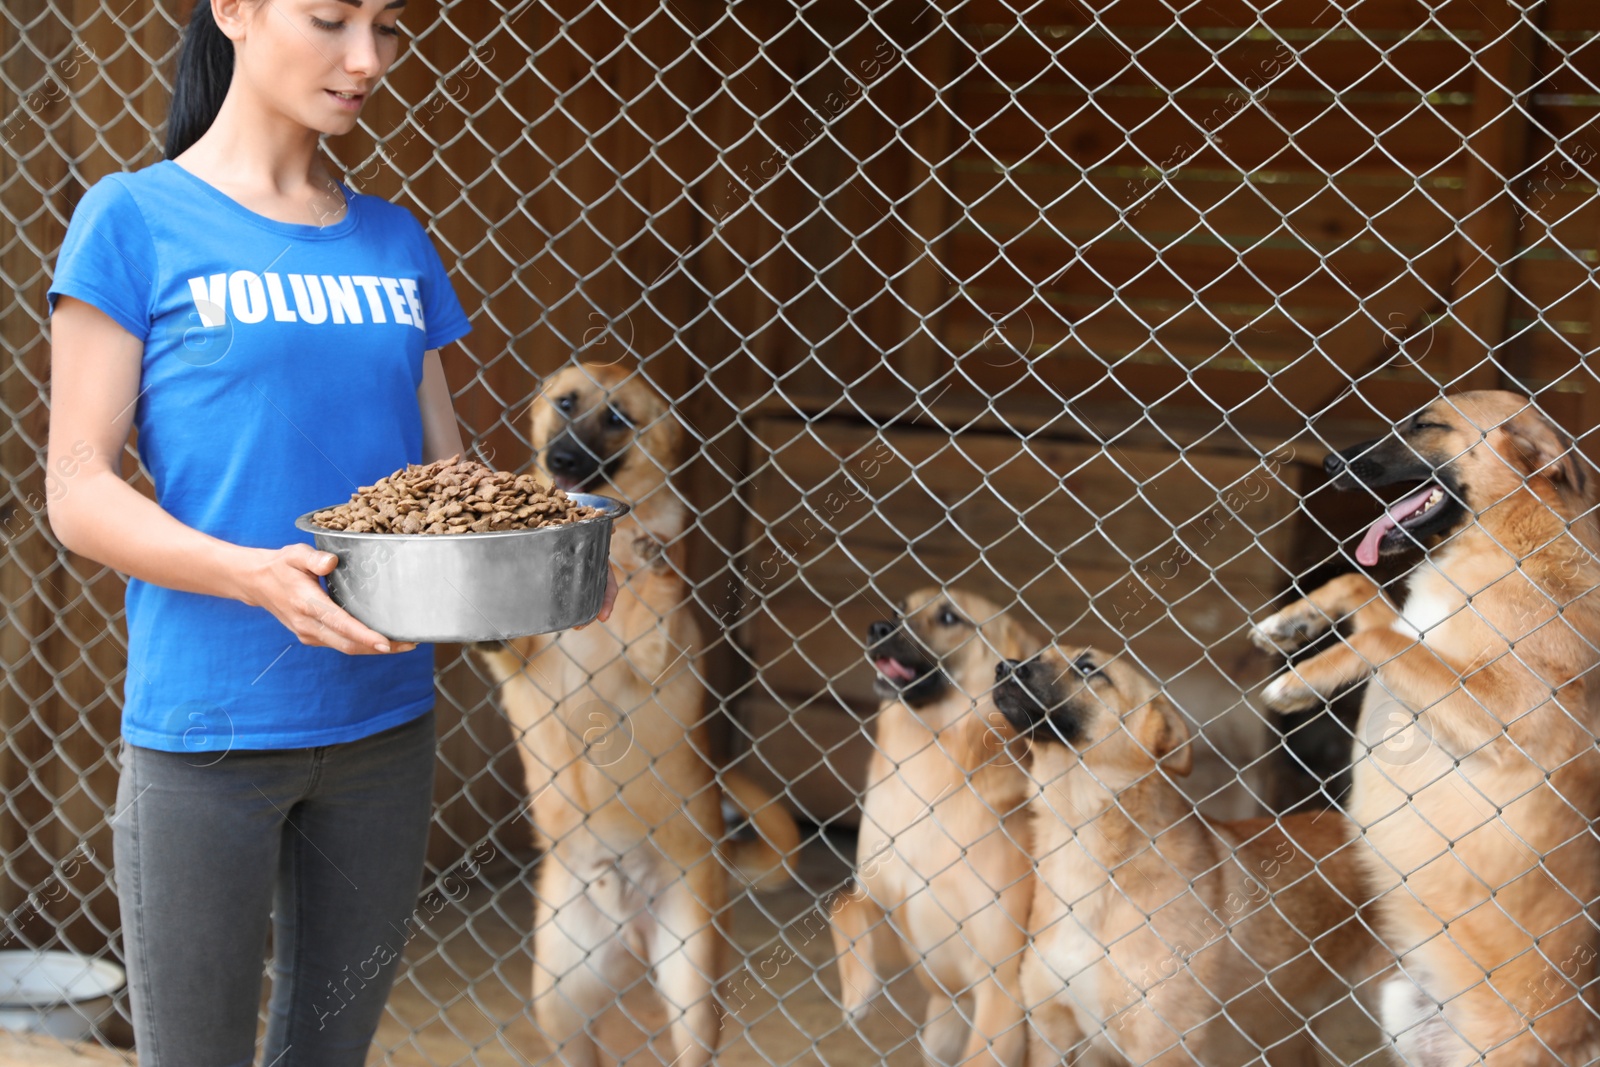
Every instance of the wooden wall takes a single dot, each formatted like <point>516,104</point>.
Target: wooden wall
<point>1068,280</point>
<point>87,100</point>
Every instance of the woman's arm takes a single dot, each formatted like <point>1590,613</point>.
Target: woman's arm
<point>441,437</point>
<point>94,384</point>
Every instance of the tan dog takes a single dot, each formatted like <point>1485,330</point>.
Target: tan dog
<point>1158,935</point>
<point>612,729</point>
<point>942,852</point>
<point>1476,776</point>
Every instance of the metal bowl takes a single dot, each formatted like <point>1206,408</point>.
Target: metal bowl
<point>472,586</point>
<point>61,994</point>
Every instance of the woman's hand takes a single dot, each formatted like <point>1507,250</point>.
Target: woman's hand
<point>610,597</point>
<point>285,583</point>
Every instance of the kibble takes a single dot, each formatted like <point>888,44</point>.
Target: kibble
<point>453,496</point>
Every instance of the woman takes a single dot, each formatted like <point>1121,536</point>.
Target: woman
<point>275,339</point>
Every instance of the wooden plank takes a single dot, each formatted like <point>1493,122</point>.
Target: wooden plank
<point>927,279</point>
<point>1151,380</point>
<point>1567,18</point>
<point>1187,361</point>
<point>1497,153</point>
<point>84,649</point>
<point>712,482</point>
<point>751,201</point>
<point>1314,212</point>
<point>1548,301</point>
<point>1111,504</point>
<point>741,335</point>
<point>1074,131</point>
<point>32,716</point>
<point>1559,215</point>
<point>1127,16</point>
<point>1196,269</point>
<point>1048,341</point>
<point>13,709</point>
<point>1323,288</point>
<point>1240,319</point>
<point>41,1050</point>
<point>1048,416</point>
<point>1561,103</point>
<point>1271,57</point>
<point>1391,325</point>
<point>1587,375</point>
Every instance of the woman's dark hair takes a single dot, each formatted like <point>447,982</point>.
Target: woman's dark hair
<point>205,68</point>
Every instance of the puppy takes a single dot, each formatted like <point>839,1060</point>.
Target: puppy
<point>1158,935</point>
<point>1475,776</point>
<point>942,851</point>
<point>611,724</point>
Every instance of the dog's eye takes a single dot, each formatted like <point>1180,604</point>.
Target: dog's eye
<point>566,403</point>
<point>1086,665</point>
<point>615,417</point>
<point>1420,425</point>
<point>948,617</point>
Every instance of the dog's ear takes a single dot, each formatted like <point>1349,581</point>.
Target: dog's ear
<point>1166,736</point>
<point>1539,447</point>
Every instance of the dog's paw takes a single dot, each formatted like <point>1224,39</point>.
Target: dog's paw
<point>1288,692</point>
<point>1290,629</point>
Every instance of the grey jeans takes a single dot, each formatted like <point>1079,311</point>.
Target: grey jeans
<point>327,843</point>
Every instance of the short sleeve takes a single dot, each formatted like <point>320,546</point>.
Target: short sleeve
<point>440,309</point>
<point>108,257</point>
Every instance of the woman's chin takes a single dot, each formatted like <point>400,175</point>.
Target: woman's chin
<point>335,124</point>
<point>338,127</point>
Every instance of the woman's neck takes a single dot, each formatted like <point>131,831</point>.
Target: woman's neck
<point>259,153</point>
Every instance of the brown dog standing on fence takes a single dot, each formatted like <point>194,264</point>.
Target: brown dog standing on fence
<point>942,852</point>
<point>611,725</point>
<point>1476,775</point>
<point>1159,935</point>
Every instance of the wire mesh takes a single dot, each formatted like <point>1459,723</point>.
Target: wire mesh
<point>974,366</point>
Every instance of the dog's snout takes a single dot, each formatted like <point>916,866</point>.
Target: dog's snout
<point>561,462</point>
<point>1360,467</point>
<point>1364,469</point>
<point>880,630</point>
<point>1361,464</point>
<point>1006,668</point>
<point>567,457</point>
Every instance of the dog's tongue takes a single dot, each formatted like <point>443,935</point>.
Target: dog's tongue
<point>1367,551</point>
<point>894,670</point>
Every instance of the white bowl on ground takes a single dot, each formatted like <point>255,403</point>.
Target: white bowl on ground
<point>57,993</point>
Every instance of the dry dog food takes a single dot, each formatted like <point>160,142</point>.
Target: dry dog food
<point>452,496</point>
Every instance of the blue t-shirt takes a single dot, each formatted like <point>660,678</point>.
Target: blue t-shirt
<point>280,374</point>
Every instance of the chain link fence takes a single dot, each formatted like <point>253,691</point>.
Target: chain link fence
<point>999,350</point>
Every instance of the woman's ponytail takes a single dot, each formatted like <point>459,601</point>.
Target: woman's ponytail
<point>205,69</point>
